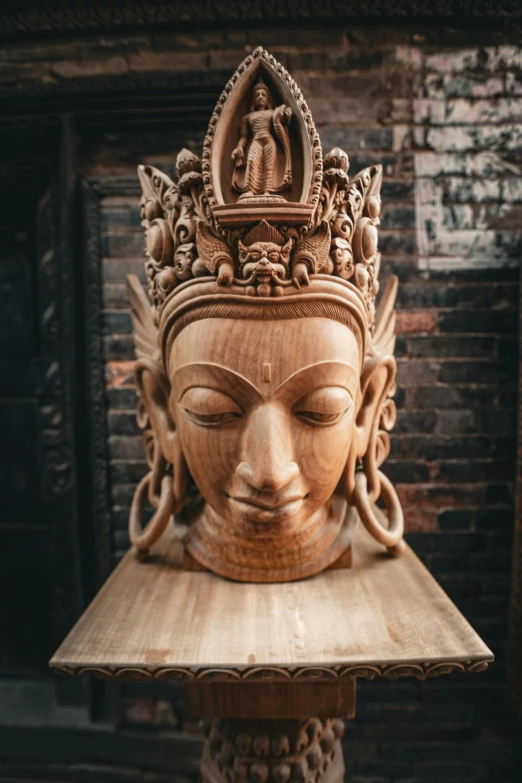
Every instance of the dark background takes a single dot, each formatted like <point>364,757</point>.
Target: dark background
<point>88,91</point>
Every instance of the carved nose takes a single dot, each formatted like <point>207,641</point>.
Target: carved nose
<point>267,455</point>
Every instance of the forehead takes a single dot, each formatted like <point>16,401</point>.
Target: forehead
<point>268,246</point>
<point>247,347</point>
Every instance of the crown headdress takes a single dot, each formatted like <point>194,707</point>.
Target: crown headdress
<point>326,225</point>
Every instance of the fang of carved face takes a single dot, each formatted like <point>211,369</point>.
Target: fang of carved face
<point>267,463</point>
<point>264,267</point>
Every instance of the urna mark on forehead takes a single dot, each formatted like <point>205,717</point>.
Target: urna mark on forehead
<point>266,353</point>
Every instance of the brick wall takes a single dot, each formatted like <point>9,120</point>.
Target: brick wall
<point>442,111</point>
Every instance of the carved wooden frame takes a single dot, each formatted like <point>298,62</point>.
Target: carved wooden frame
<point>93,191</point>
<point>17,21</point>
<point>420,671</point>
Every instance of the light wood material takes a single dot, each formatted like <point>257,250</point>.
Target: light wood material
<point>381,617</point>
<point>264,372</point>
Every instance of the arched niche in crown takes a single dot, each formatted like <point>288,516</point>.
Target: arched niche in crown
<point>285,199</point>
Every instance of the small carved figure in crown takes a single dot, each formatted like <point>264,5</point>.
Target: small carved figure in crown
<point>262,158</point>
<point>264,260</point>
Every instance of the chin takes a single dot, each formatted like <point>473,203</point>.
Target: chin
<point>255,522</point>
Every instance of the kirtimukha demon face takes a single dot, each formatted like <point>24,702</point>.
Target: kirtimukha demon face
<point>265,374</point>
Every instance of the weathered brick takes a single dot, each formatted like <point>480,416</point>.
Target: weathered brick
<point>120,217</point>
<point>469,470</point>
<point>455,519</point>
<point>124,245</point>
<point>451,294</point>
<point>463,164</point>
<point>494,519</point>
<point>122,494</point>
<point>393,243</point>
<point>143,61</point>
<point>416,322</point>
<point>127,471</point>
<point>119,373</point>
<point>463,111</point>
<point>469,371</point>
<point>435,346</point>
<point>82,68</point>
<point>457,421</point>
<point>437,447</point>
<point>420,519</point>
<point>398,217</point>
<point>411,372</point>
<point>117,322</point>
<point>115,297</point>
<point>116,270</point>
<point>440,496</point>
<point>126,447</point>
<point>495,321</point>
<point>444,396</point>
<point>403,471</point>
<point>413,421</point>
<point>121,399</point>
<point>356,139</point>
<point>122,423</point>
<point>397,191</point>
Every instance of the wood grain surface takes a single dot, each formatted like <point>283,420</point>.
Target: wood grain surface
<point>383,617</point>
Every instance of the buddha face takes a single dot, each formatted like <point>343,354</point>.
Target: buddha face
<point>264,412</point>
<point>261,98</point>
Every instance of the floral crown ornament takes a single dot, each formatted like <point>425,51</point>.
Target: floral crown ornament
<point>248,251</point>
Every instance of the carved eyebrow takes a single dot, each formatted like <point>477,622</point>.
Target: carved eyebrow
<point>220,378</point>
<point>343,370</point>
<point>216,377</point>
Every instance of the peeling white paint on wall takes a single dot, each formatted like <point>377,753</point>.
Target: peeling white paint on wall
<point>467,119</point>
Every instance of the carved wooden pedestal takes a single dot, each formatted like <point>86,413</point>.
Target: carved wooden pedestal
<point>274,751</point>
<point>258,660</point>
<point>245,741</point>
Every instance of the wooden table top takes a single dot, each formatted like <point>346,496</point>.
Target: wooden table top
<point>383,617</point>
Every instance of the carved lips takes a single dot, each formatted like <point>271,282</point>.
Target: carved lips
<point>276,512</point>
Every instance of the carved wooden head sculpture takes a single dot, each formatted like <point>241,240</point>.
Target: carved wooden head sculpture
<point>264,372</point>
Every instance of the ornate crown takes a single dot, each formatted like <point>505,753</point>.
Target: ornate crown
<point>202,238</point>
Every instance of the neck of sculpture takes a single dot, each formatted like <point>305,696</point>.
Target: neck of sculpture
<point>316,545</point>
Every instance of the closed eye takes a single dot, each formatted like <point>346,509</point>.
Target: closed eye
<point>209,407</point>
<point>320,419</point>
<point>212,419</point>
<point>323,407</point>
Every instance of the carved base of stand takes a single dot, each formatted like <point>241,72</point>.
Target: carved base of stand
<point>273,751</point>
